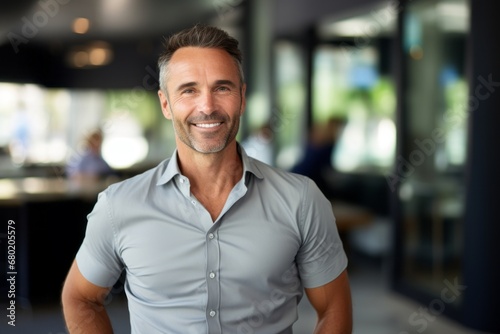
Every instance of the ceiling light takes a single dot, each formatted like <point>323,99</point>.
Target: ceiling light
<point>98,56</point>
<point>453,9</point>
<point>92,54</point>
<point>81,25</point>
<point>351,27</point>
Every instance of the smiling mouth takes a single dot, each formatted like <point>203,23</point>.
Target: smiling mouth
<point>207,125</point>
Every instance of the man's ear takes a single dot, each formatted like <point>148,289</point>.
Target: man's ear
<point>164,105</point>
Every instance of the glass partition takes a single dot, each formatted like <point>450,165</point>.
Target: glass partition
<point>430,168</point>
<point>288,119</point>
<point>351,87</point>
<point>352,81</point>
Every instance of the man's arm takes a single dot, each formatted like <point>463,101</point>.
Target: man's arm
<point>333,305</point>
<point>83,307</point>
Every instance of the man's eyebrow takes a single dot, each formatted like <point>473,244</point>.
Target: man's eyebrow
<point>226,82</point>
<point>186,85</point>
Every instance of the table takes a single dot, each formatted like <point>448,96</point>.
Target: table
<point>350,216</point>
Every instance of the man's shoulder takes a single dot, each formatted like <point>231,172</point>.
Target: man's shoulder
<point>279,177</point>
<point>285,187</point>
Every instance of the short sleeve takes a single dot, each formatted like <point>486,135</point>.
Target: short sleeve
<point>321,257</point>
<point>97,258</point>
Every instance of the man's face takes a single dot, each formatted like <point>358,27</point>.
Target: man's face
<point>205,98</point>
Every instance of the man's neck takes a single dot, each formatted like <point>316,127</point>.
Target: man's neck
<point>211,176</point>
<point>225,165</point>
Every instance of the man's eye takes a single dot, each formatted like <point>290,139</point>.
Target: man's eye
<point>223,89</point>
<point>188,91</point>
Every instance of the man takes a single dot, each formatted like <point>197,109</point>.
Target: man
<point>211,241</point>
<point>90,166</point>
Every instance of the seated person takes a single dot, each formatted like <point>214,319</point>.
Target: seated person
<point>90,165</point>
<point>317,157</point>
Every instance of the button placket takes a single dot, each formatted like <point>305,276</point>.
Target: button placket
<point>213,287</point>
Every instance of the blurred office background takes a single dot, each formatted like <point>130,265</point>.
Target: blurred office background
<point>412,175</point>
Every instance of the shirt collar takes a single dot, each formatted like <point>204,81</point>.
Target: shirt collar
<point>172,169</point>
<point>249,164</point>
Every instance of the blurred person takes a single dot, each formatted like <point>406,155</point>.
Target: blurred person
<point>317,158</point>
<point>21,136</point>
<point>90,165</point>
<point>211,240</point>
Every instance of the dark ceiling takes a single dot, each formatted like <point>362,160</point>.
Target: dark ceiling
<point>109,19</point>
<point>135,19</point>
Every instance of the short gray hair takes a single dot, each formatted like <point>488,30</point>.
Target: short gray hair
<point>199,36</point>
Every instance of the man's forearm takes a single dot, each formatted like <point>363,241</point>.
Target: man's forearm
<point>85,317</point>
<point>332,323</point>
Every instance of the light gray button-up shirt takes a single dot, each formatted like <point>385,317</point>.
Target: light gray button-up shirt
<point>243,273</point>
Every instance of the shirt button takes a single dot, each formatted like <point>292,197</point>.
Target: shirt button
<point>193,202</point>
<point>211,275</point>
<point>210,235</point>
<point>182,180</point>
<point>212,313</point>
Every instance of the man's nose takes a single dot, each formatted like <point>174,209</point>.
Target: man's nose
<point>206,103</point>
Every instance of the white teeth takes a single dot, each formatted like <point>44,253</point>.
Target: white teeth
<point>208,125</point>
